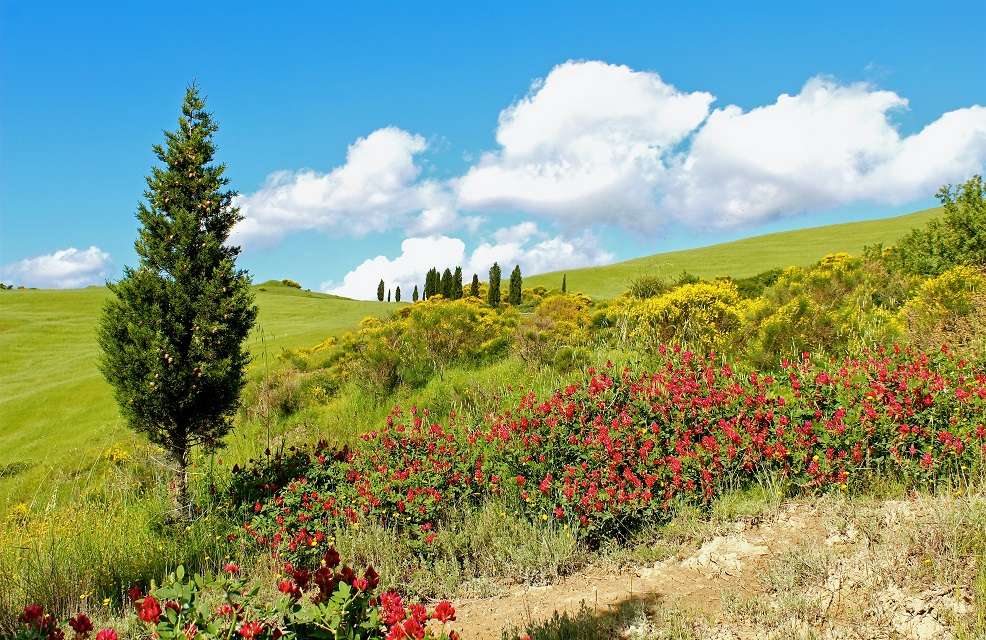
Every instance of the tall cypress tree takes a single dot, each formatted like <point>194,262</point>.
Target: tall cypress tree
<point>414,294</point>
<point>447,285</point>
<point>172,332</point>
<point>397,294</point>
<point>564,282</point>
<point>516,286</point>
<point>474,287</point>
<point>380,289</point>
<point>493,295</point>
<point>431,283</point>
<point>388,295</point>
<point>457,283</point>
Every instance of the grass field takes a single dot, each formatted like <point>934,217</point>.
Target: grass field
<point>741,258</point>
<point>57,414</point>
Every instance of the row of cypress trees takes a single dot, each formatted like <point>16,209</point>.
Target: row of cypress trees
<point>448,284</point>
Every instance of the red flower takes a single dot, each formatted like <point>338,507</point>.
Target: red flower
<point>150,610</point>
<point>372,577</point>
<point>413,629</point>
<point>287,587</point>
<point>444,611</point>
<point>134,594</point>
<point>106,634</point>
<point>332,558</point>
<point>231,568</point>
<point>32,614</point>
<point>250,630</point>
<point>396,633</point>
<point>393,608</point>
<point>419,613</point>
<point>81,624</point>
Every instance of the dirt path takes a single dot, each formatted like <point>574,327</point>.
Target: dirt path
<point>695,582</point>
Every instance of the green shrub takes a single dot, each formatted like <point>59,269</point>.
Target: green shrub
<point>647,287</point>
<point>957,238</point>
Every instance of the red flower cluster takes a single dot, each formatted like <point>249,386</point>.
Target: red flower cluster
<point>42,625</point>
<point>622,448</point>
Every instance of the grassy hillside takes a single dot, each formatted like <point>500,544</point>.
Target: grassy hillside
<point>57,414</point>
<point>740,258</point>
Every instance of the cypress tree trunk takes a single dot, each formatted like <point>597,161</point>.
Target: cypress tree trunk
<point>183,503</point>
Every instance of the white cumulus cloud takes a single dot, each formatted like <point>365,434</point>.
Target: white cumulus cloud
<point>524,244</point>
<point>827,146</point>
<point>378,188</point>
<point>601,143</point>
<point>63,269</point>
<point>586,143</point>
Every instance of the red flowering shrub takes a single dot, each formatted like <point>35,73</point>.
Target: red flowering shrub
<point>623,448</point>
<point>333,601</point>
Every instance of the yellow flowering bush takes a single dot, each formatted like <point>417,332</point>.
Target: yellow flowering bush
<point>950,308</point>
<point>829,307</point>
<point>559,321</point>
<point>702,316</point>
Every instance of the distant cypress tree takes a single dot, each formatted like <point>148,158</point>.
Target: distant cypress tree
<point>516,287</point>
<point>474,287</point>
<point>397,294</point>
<point>564,282</point>
<point>457,284</point>
<point>431,283</point>
<point>414,294</point>
<point>380,289</point>
<point>447,285</point>
<point>388,295</point>
<point>493,295</point>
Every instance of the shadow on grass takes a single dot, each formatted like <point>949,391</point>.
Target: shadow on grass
<point>600,623</point>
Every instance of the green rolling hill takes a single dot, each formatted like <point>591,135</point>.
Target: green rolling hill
<point>740,258</point>
<point>57,414</point>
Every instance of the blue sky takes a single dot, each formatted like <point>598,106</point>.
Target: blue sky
<point>85,91</point>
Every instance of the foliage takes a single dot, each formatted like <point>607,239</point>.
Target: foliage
<point>957,238</point>
<point>397,294</point>
<point>754,286</point>
<point>493,295</point>
<point>447,287</point>
<point>558,322</point>
<point>329,600</point>
<point>419,342</point>
<point>647,287</point>
<point>474,286</point>
<point>457,283</point>
<point>837,305</point>
<point>381,288</point>
<point>287,282</point>
<point>516,287</point>
<point>172,337</point>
